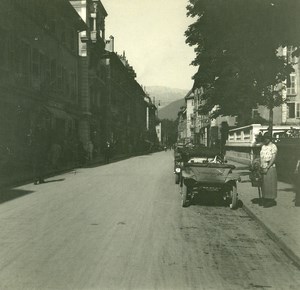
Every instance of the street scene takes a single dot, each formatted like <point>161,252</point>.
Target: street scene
<point>149,144</point>
<point>121,226</point>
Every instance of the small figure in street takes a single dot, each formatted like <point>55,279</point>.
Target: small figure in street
<point>268,155</point>
<point>107,152</point>
<point>81,153</point>
<point>90,150</point>
<point>55,154</point>
<point>297,184</point>
<point>39,153</point>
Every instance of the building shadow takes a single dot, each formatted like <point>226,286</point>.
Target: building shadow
<point>11,193</point>
<point>54,180</point>
<point>115,159</point>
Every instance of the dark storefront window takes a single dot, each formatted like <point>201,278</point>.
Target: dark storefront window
<point>291,110</point>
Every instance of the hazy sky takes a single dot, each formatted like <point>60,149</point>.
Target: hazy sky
<point>152,34</point>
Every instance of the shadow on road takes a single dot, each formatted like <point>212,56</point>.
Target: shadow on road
<point>289,189</point>
<point>208,200</point>
<point>213,200</point>
<point>54,180</point>
<point>116,159</point>
<point>10,194</point>
<point>256,201</point>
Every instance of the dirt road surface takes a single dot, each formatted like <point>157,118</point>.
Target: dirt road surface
<point>121,226</point>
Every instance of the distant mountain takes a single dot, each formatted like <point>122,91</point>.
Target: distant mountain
<point>165,95</point>
<point>170,111</point>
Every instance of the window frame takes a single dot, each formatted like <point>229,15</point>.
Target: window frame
<point>296,112</point>
<point>292,89</point>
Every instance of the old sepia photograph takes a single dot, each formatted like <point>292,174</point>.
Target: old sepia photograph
<point>149,144</point>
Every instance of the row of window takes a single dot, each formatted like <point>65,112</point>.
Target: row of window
<point>32,68</point>
<point>293,107</point>
<point>43,13</point>
<point>292,88</point>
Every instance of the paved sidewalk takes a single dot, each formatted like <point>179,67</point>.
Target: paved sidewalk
<point>282,221</point>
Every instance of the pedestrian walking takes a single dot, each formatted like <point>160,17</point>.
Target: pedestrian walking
<point>107,152</point>
<point>268,155</point>
<point>81,153</point>
<point>90,150</point>
<point>39,153</point>
<point>55,155</point>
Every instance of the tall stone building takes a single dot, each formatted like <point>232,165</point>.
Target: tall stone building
<point>92,72</point>
<point>39,72</point>
<point>125,115</point>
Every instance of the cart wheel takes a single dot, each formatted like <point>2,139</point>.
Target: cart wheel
<point>184,195</point>
<point>234,197</point>
<point>177,179</point>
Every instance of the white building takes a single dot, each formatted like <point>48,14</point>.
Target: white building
<point>190,117</point>
<point>288,113</point>
<point>158,132</point>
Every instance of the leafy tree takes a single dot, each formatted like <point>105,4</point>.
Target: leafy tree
<point>237,45</point>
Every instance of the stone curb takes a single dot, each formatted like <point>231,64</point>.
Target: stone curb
<point>289,253</point>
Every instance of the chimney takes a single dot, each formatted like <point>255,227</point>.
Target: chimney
<point>110,44</point>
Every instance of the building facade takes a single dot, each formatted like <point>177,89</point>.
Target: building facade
<point>39,72</point>
<point>190,115</point>
<point>129,114</point>
<point>289,112</point>
<point>92,73</point>
<point>112,101</point>
<point>158,132</point>
<point>57,75</point>
<point>182,125</point>
<point>210,131</point>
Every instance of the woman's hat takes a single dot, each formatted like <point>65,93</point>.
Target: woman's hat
<point>267,135</point>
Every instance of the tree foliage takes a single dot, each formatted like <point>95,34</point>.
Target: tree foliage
<point>237,45</point>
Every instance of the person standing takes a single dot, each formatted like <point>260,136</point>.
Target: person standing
<point>81,153</point>
<point>268,155</point>
<point>39,153</point>
<point>107,152</point>
<point>55,154</point>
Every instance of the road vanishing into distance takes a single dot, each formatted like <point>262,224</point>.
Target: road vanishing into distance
<point>121,226</point>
